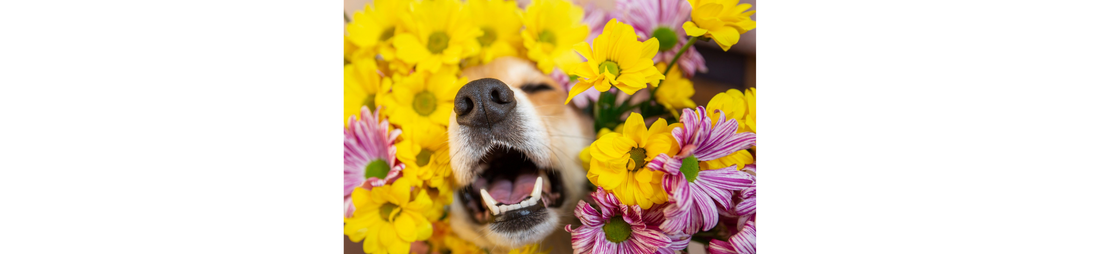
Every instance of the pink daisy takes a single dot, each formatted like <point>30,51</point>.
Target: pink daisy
<point>744,242</point>
<point>616,228</point>
<point>664,19</point>
<point>746,204</point>
<point>694,192</point>
<point>369,155</point>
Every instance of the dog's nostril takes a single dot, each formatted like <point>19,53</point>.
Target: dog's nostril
<point>495,96</point>
<point>464,105</point>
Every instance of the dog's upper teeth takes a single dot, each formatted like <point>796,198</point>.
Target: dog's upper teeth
<point>537,191</point>
<point>490,202</point>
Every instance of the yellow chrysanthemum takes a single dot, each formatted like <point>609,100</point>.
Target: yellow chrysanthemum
<point>426,154</point>
<point>350,50</point>
<point>363,85</point>
<point>387,219</point>
<point>750,116</point>
<point>615,58</point>
<point>722,20</point>
<point>585,154</point>
<point>500,26</point>
<point>551,27</point>
<point>676,91</point>
<point>732,103</point>
<point>533,248</point>
<point>372,30</point>
<point>423,99</point>
<point>441,196</point>
<point>440,33</point>
<point>618,161</point>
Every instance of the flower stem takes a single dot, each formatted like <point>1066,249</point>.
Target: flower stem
<point>673,62</point>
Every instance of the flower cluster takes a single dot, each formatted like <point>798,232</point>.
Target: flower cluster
<point>661,186</point>
<point>688,175</point>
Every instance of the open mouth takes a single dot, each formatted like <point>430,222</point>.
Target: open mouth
<point>510,191</point>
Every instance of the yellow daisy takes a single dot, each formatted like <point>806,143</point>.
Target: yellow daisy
<point>750,116</point>
<point>722,20</point>
<point>422,99</point>
<point>732,103</point>
<point>676,91</point>
<point>363,85</point>
<point>440,33</point>
<point>616,58</point>
<point>372,30</point>
<point>618,161</point>
<point>551,27</point>
<point>350,50</point>
<point>500,26</point>
<point>387,219</point>
<point>585,154</point>
<point>426,154</point>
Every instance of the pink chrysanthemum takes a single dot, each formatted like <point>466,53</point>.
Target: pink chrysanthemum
<point>744,242</point>
<point>369,155</point>
<point>746,204</point>
<point>616,228</point>
<point>694,192</point>
<point>664,19</point>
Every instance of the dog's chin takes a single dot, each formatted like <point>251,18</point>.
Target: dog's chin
<point>511,201</point>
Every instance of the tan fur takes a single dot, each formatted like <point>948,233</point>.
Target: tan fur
<point>556,135</point>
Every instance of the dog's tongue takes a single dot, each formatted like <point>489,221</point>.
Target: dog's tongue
<point>507,191</point>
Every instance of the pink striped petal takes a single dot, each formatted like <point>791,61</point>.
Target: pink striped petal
<point>588,215</point>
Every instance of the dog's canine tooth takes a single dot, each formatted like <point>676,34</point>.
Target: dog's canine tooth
<point>538,188</point>
<point>490,202</point>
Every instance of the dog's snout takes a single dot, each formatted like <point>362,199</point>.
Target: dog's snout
<point>484,102</point>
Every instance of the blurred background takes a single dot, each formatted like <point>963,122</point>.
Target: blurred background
<point>733,69</point>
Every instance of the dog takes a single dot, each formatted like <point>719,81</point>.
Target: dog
<point>514,146</point>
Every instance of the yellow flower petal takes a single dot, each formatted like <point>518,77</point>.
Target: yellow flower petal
<point>634,128</point>
<point>406,228</point>
<point>579,88</point>
<point>691,29</point>
<point>387,236</point>
<point>409,48</point>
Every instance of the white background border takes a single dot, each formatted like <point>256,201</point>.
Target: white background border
<point>888,127</point>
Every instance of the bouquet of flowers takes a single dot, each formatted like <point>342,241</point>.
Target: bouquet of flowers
<point>690,175</point>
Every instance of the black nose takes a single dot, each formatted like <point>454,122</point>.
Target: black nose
<point>483,102</point>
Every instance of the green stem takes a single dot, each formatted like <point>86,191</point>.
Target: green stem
<point>673,62</point>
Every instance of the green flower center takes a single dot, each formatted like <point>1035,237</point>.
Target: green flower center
<point>666,37</point>
<point>610,67</point>
<point>377,168</point>
<point>637,156</point>
<point>369,101</point>
<point>386,209</point>
<point>437,42</point>
<point>548,37</point>
<point>387,34</point>
<point>423,157</point>
<point>690,168</point>
<point>616,229</point>
<point>488,37</point>
<point>424,103</point>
